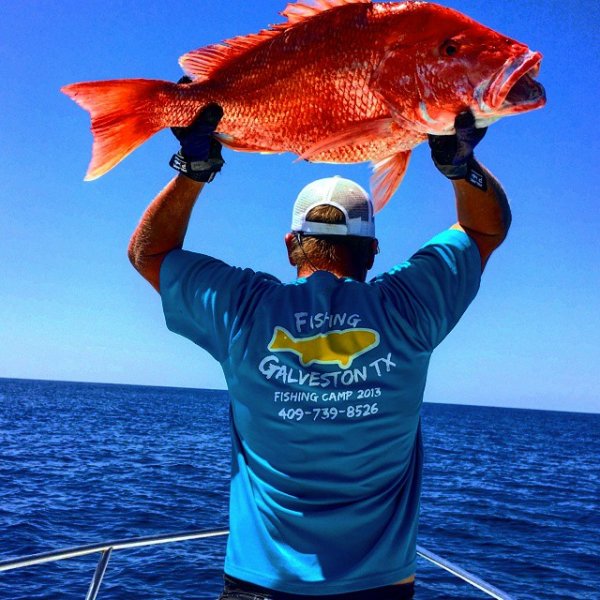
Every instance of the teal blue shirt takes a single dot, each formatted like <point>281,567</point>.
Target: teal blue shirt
<point>326,379</point>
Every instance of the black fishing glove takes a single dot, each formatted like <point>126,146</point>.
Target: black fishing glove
<point>200,155</point>
<point>453,154</point>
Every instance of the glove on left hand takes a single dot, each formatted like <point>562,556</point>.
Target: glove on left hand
<point>200,155</point>
<point>453,154</point>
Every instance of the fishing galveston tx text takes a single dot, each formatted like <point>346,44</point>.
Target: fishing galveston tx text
<point>272,368</point>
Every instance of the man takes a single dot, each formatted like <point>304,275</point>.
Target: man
<point>326,374</point>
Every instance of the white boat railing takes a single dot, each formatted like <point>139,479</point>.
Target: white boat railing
<point>107,548</point>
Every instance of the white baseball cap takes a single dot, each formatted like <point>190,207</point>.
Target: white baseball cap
<point>342,193</point>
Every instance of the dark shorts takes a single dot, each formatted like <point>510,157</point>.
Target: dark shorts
<point>236,589</point>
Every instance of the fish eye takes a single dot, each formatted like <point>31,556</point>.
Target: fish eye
<point>449,48</point>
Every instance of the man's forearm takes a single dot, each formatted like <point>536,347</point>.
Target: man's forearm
<point>484,215</point>
<point>162,227</point>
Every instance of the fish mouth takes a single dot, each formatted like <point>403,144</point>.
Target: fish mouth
<point>514,89</point>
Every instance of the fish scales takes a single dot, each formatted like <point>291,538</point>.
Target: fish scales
<point>304,96</point>
<point>343,81</point>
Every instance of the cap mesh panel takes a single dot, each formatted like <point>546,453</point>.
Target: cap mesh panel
<point>338,191</point>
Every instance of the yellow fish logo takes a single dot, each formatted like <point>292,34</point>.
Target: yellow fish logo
<point>334,347</point>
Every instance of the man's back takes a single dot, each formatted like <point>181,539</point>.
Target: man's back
<point>327,374</point>
<point>326,378</point>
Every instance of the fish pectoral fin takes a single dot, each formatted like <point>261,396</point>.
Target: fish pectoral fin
<point>358,133</point>
<point>387,175</point>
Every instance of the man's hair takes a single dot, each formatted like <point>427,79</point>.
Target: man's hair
<point>329,250</point>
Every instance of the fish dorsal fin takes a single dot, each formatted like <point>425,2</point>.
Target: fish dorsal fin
<point>305,9</point>
<point>203,63</point>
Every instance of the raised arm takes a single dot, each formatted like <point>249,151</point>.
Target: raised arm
<point>164,223</point>
<point>162,227</point>
<point>484,215</point>
<point>481,203</point>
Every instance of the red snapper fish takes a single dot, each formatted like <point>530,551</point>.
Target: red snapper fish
<point>342,81</point>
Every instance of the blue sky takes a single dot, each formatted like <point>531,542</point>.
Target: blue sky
<point>72,308</point>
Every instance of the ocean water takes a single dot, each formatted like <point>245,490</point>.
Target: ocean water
<point>511,495</point>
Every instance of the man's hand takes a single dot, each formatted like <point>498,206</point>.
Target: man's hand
<point>200,155</point>
<point>453,154</point>
<point>482,207</point>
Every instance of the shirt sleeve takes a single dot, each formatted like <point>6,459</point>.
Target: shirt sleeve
<point>202,298</point>
<point>432,290</point>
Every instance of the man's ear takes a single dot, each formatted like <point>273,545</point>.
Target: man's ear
<point>374,251</point>
<point>289,241</point>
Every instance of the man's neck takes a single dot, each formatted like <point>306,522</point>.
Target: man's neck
<point>307,271</point>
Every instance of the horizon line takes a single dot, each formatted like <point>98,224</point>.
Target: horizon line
<point>184,387</point>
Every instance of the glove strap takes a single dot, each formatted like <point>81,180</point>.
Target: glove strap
<point>470,171</point>
<point>475,175</point>
<point>203,171</point>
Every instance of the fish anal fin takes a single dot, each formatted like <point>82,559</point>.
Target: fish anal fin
<point>387,176</point>
<point>359,133</point>
<point>203,63</point>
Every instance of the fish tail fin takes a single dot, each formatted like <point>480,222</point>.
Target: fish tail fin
<point>124,113</point>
